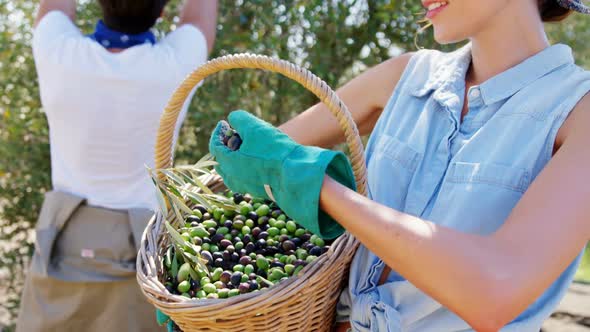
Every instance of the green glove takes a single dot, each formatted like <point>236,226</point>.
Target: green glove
<point>162,319</point>
<point>269,164</point>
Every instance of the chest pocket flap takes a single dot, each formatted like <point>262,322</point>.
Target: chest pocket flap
<point>513,178</point>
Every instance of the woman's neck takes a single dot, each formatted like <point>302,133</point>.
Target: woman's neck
<point>507,41</point>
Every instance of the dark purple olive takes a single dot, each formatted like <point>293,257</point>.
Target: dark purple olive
<point>234,142</point>
<point>206,240</point>
<point>283,238</point>
<point>252,215</point>
<point>218,262</point>
<point>263,221</point>
<point>195,285</point>
<point>244,288</point>
<point>191,293</point>
<point>227,265</point>
<point>253,285</point>
<point>170,279</point>
<point>217,238</point>
<point>194,224</point>
<point>252,276</point>
<point>245,260</point>
<point>201,208</point>
<point>263,235</point>
<point>225,243</point>
<point>235,257</point>
<point>231,249</point>
<point>271,251</point>
<point>297,241</point>
<point>207,256</point>
<point>238,197</point>
<point>265,227</point>
<point>226,256</point>
<point>305,237</point>
<point>290,252</point>
<point>236,278</point>
<point>261,244</point>
<point>243,252</point>
<point>250,247</point>
<point>212,232</point>
<point>192,219</point>
<point>276,213</point>
<point>316,251</point>
<point>234,233</point>
<point>228,224</point>
<point>289,245</point>
<point>171,288</point>
<point>299,262</point>
<point>325,249</point>
<point>307,246</point>
<point>217,255</point>
<point>262,273</point>
<point>247,239</point>
<point>206,216</point>
<point>225,277</point>
<point>277,264</point>
<point>198,241</point>
<point>256,231</point>
<point>236,240</point>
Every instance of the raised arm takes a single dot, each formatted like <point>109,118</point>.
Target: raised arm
<point>68,7</point>
<point>366,96</point>
<point>203,15</point>
<point>486,280</point>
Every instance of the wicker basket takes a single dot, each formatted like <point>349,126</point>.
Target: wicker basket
<point>302,303</point>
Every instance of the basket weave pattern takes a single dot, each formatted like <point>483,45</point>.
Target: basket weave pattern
<point>302,303</point>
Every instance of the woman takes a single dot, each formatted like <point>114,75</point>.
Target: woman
<point>478,209</point>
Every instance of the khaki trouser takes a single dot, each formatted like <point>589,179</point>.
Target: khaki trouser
<point>82,276</point>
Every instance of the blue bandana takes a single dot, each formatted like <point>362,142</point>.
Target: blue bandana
<point>113,39</point>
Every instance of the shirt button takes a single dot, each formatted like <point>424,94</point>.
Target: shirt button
<point>475,93</point>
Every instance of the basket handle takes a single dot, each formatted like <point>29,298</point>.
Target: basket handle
<point>163,153</point>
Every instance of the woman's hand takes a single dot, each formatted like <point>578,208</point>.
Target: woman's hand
<point>269,164</point>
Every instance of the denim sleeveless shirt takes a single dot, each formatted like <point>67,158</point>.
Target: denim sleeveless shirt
<point>465,174</point>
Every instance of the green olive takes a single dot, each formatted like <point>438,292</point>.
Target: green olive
<point>250,223</point>
<point>217,213</point>
<point>205,246</point>
<point>311,258</point>
<point>238,224</point>
<point>291,226</point>
<point>183,272</point>
<point>213,248</point>
<point>209,288</point>
<point>246,230</point>
<point>299,232</point>
<point>205,280</point>
<point>289,268</point>
<point>284,231</point>
<point>272,222</point>
<point>238,268</point>
<point>201,294</point>
<point>273,231</point>
<point>200,232</point>
<point>223,293</point>
<point>248,269</point>
<point>282,217</point>
<point>222,230</point>
<point>263,210</point>
<point>244,209</point>
<point>216,275</point>
<point>213,296</point>
<point>209,224</point>
<point>184,286</point>
<point>186,236</point>
<point>234,292</point>
<point>262,263</point>
<point>280,224</point>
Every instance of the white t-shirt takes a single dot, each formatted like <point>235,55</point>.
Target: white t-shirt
<point>104,108</point>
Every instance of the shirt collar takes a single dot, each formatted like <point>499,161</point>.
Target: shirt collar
<point>452,73</point>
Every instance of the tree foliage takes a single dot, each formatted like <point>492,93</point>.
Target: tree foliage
<point>334,39</point>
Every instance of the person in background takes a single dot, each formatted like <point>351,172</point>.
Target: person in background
<point>103,95</point>
<point>478,205</point>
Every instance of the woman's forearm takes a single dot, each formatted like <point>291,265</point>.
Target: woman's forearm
<point>457,269</point>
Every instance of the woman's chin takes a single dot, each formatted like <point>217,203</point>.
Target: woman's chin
<point>445,36</point>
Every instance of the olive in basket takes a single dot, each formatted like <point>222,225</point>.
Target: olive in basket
<point>237,251</point>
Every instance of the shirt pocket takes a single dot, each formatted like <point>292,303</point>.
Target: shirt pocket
<point>478,197</point>
<point>391,168</point>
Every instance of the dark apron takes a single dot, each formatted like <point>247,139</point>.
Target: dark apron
<point>82,276</point>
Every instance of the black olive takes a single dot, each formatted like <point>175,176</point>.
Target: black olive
<point>245,260</point>
<point>228,224</point>
<point>288,245</point>
<point>261,244</point>
<point>225,243</point>
<point>217,255</point>
<point>238,198</point>
<point>225,277</point>
<point>201,208</point>
<point>217,238</point>
<point>263,235</point>
<point>250,247</point>
<point>195,224</point>
<point>316,251</point>
<point>235,257</point>
<point>218,262</point>
<point>206,240</point>
<point>247,239</point>
<point>212,231</point>
<point>253,285</point>
<point>231,249</point>
<point>226,256</point>
<point>277,264</point>
<point>305,237</point>
<point>283,238</point>
<point>263,221</point>
<point>193,219</point>
<point>207,256</point>
<point>206,216</point>
<point>236,278</point>
<point>244,288</point>
<point>252,215</point>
